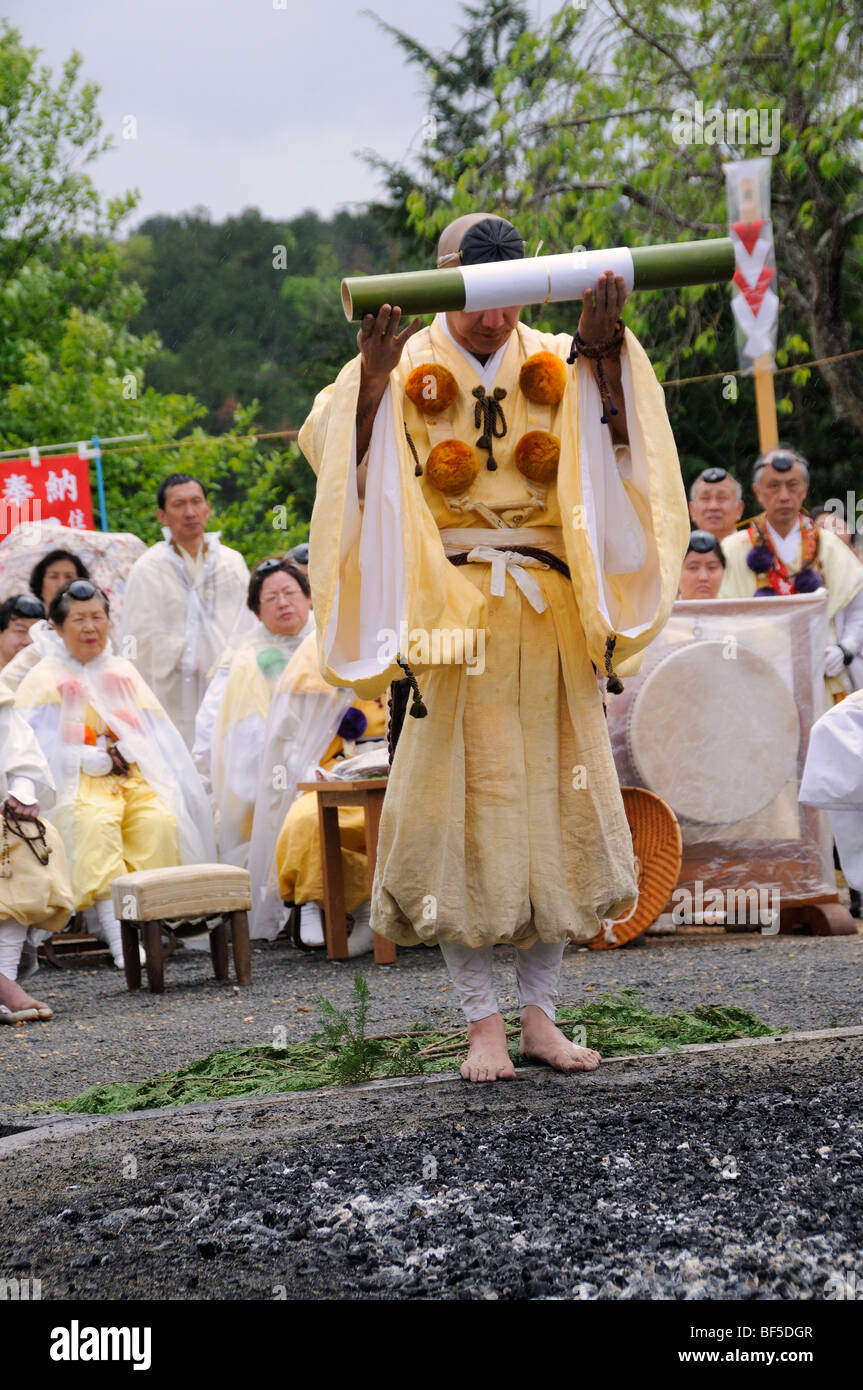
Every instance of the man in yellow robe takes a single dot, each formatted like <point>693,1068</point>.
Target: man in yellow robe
<point>783,552</point>
<point>503,820</point>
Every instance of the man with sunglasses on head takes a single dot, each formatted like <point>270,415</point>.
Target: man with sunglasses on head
<point>782,551</point>
<point>17,616</point>
<point>182,600</point>
<point>716,502</point>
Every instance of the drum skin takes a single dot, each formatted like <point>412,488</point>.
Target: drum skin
<point>714,731</point>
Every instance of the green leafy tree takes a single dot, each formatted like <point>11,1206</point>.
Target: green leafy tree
<point>70,363</point>
<point>581,150</point>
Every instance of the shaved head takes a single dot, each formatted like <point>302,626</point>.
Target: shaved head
<point>451,236</point>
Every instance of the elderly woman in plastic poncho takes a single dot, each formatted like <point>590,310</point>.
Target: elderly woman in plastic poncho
<point>311,724</point>
<point>232,720</point>
<point>35,894</point>
<point>128,795</point>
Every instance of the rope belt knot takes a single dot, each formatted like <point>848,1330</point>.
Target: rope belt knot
<point>514,562</point>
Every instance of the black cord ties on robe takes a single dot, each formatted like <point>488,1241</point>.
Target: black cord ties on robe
<point>489,417</point>
<point>417,709</point>
<point>613,684</point>
<point>418,470</point>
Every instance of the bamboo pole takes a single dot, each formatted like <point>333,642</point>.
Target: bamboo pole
<point>539,279</point>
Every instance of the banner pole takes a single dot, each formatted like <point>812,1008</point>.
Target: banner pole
<point>100,482</point>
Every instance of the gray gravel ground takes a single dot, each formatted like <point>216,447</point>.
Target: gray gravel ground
<point>730,1175</point>
<point>102,1033</point>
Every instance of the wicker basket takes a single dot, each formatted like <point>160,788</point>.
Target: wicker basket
<point>658,848</point>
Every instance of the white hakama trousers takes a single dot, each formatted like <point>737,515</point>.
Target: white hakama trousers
<point>537,971</point>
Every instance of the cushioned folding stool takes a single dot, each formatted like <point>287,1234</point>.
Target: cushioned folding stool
<point>155,898</point>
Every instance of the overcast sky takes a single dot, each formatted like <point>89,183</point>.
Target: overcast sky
<point>242,104</point>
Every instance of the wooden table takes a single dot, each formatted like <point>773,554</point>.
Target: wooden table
<point>368,793</point>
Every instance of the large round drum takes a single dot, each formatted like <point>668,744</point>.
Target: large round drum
<point>714,731</point>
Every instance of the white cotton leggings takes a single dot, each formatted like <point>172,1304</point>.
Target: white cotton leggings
<point>537,971</point>
<point>12,938</point>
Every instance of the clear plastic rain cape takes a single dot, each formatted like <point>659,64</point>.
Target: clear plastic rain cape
<point>305,714</point>
<point>62,700</point>
<point>179,626</point>
<point>833,780</point>
<point>236,751</point>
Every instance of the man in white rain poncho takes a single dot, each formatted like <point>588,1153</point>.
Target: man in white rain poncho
<point>182,600</point>
<point>33,893</point>
<point>833,780</point>
<point>128,795</point>
<point>308,727</point>
<point>232,720</point>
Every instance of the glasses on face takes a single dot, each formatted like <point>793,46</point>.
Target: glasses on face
<point>27,607</point>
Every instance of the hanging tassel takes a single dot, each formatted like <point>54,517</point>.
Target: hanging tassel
<point>613,684</point>
<point>418,468</point>
<point>417,709</point>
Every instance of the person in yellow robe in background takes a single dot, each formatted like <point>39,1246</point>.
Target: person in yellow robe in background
<point>298,849</point>
<point>128,795</point>
<point>306,715</point>
<point>232,720</point>
<point>783,552</point>
<point>35,893</point>
<point>472,443</point>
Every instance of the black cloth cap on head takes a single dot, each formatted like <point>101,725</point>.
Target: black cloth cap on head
<point>491,240</point>
<point>703,542</point>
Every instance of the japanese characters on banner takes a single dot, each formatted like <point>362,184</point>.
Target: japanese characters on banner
<point>755,305</point>
<point>34,489</point>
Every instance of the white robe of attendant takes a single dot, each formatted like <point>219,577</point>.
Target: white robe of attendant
<point>178,615</point>
<point>833,780</point>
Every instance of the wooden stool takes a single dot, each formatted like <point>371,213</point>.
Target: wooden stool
<point>368,793</point>
<point>146,900</point>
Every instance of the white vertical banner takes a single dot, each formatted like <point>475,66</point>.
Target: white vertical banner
<point>755,303</point>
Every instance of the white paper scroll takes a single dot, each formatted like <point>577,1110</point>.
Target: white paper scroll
<point>541,279</point>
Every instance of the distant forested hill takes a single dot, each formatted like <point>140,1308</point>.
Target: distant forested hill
<point>249,309</point>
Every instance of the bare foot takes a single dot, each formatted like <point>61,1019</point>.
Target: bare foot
<point>487,1058</point>
<point>16,999</point>
<point>543,1040</point>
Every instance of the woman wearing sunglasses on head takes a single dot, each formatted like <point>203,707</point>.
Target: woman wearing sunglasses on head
<point>17,616</point>
<point>128,795</point>
<point>56,569</point>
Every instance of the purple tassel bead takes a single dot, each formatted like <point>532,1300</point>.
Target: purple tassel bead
<point>806,581</point>
<point>760,559</point>
<point>353,725</point>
